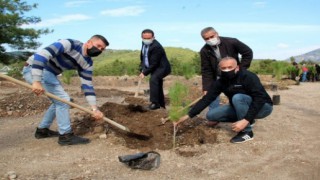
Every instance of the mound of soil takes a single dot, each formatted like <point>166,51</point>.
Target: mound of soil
<point>23,104</point>
<point>145,122</point>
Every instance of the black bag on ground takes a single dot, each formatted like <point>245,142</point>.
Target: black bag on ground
<point>145,161</point>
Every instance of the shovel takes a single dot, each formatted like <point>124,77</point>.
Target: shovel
<point>138,88</point>
<point>164,120</point>
<point>127,130</point>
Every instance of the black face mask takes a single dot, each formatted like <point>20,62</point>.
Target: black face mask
<point>93,52</point>
<point>227,75</point>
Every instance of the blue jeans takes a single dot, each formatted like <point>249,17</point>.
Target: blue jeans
<point>304,76</point>
<point>238,111</point>
<point>57,109</point>
<point>215,103</point>
<point>26,73</point>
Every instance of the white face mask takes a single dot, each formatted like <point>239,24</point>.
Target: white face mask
<point>147,41</point>
<point>213,41</point>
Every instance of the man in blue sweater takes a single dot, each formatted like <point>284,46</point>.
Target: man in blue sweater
<point>248,100</point>
<point>65,54</point>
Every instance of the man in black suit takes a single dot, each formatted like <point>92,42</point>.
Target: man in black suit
<point>154,61</point>
<point>216,48</point>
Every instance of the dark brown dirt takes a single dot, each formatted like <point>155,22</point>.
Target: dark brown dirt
<point>148,123</point>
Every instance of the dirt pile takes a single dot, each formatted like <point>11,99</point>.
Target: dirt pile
<point>23,104</point>
<point>146,122</point>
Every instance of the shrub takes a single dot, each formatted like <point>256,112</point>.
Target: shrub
<point>16,70</point>
<point>292,72</point>
<point>117,68</point>
<point>67,75</point>
<point>279,68</point>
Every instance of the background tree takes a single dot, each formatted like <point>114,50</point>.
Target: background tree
<point>292,60</point>
<point>11,31</point>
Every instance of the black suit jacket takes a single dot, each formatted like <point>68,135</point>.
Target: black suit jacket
<point>158,61</point>
<point>231,47</point>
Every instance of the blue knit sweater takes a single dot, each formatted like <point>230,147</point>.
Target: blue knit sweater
<point>66,54</point>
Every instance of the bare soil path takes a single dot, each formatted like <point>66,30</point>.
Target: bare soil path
<point>286,146</point>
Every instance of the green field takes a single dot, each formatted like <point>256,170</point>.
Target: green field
<point>184,62</point>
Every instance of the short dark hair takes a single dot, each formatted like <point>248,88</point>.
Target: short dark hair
<point>207,29</point>
<point>103,39</point>
<point>148,31</point>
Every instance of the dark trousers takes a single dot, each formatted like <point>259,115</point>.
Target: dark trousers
<point>156,89</point>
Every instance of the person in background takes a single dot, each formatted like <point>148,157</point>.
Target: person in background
<point>154,61</point>
<point>317,71</point>
<point>217,47</point>
<point>304,73</point>
<point>295,65</point>
<point>248,100</point>
<point>46,65</point>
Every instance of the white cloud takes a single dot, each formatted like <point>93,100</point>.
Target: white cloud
<point>125,11</point>
<point>60,20</point>
<point>260,4</point>
<point>76,3</point>
<point>269,27</point>
<point>282,45</point>
<point>236,27</point>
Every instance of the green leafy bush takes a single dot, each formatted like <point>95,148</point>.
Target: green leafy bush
<point>117,68</point>
<point>262,66</point>
<point>279,68</point>
<point>16,70</point>
<point>67,75</point>
<point>292,72</point>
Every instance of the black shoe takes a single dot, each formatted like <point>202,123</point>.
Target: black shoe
<point>242,137</point>
<point>153,106</point>
<point>71,139</point>
<point>45,133</point>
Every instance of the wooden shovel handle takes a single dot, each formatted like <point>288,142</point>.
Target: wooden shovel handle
<point>64,101</point>
<point>191,104</point>
<point>138,88</point>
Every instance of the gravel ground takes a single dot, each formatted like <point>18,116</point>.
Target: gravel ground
<point>286,146</point>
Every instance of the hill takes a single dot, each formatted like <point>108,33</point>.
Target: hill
<point>133,55</point>
<point>310,56</point>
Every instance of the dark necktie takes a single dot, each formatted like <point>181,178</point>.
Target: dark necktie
<point>145,55</point>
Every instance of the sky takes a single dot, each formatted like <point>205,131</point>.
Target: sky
<point>273,29</point>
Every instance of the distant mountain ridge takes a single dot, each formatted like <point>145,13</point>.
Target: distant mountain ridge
<point>312,56</point>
